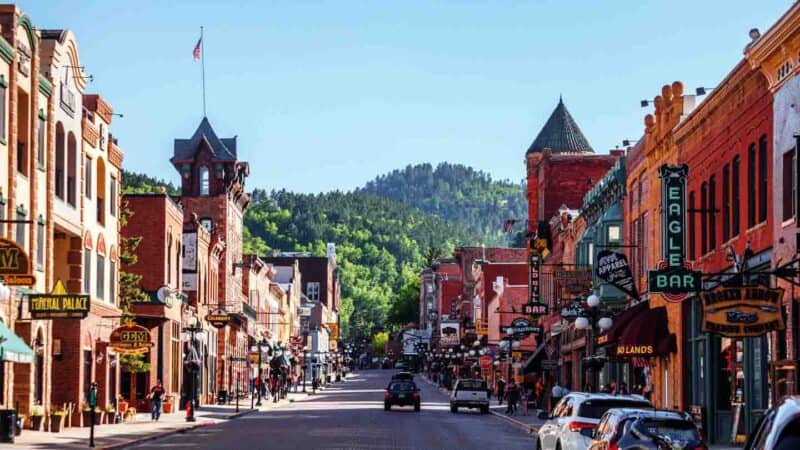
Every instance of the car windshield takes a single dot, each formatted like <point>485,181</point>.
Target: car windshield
<point>594,409</point>
<point>472,385</point>
<point>402,387</point>
<point>676,429</point>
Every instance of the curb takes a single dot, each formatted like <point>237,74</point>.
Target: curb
<point>164,434</point>
<point>530,429</point>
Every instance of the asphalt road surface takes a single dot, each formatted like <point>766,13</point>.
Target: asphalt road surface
<point>350,416</point>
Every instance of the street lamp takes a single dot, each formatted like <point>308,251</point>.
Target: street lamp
<point>192,362</point>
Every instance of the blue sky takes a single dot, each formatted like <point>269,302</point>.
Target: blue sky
<point>328,94</point>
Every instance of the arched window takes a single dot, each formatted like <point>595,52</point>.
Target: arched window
<point>72,169</point>
<point>60,161</point>
<point>101,191</point>
<point>204,183</point>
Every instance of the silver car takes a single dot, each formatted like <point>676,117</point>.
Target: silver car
<point>779,429</point>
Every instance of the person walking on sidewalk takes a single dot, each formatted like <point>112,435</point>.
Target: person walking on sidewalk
<point>512,397</point>
<point>156,393</point>
<point>501,390</point>
<point>555,394</point>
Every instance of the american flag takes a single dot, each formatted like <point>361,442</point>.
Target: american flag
<point>197,48</point>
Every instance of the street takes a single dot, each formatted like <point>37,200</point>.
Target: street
<point>350,416</point>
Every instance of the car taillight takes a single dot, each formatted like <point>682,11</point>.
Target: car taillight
<point>388,394</point>
<point>578,426</point>
<point>415,395</point>
<point>701,447</point>
<point>613,445</point>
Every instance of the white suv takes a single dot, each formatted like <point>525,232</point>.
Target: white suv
<point>575,417</point>
<point>470,393</point>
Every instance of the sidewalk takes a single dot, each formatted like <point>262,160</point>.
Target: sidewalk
<point>140,429</point>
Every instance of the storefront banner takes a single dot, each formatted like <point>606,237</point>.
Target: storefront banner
<point>742,311</point>
<point>189,252</point>
<point>450,333</point>
<point>15,266</point>
<point>613,268</point>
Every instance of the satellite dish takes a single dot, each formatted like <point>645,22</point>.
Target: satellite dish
<point>164,293</point>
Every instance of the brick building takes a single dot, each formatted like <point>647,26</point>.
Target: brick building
<point>212,188</point>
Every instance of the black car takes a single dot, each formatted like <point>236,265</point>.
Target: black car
<point>646,429</point>
<point>402,393</point>
<point>403,376</point>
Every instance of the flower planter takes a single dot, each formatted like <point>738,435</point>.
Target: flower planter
<point>56,423</point>
<point>98,417</point>
<point>37,422</point>
<point>167,407</point>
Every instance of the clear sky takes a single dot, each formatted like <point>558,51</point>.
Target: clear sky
<point>328,94</point>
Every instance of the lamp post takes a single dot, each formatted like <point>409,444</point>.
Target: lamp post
<point>594,323</point>
<point>193,363</point>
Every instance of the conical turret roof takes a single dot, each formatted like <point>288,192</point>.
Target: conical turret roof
<point>561,134</point>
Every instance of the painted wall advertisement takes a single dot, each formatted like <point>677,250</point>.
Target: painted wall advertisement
<point>190,251</point>
<point>742,311</point>
<point>450,334</point>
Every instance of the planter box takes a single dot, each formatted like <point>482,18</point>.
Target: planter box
<point>37,422</point>
<point>167,407</point>
<point>56,423</point>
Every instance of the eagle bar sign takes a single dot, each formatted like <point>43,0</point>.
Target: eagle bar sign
<point>672,278</point>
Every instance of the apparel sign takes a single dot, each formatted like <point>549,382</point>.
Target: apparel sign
<point>59,304</point>
<point>218,318</point>
<point>742,311</point>
<point>450,333</point>
<point>15,266</point>
<point>673,279</point>
<point>613,268</point>
<point>130,338</point>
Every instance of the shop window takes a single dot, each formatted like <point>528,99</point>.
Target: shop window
<point>751,183</point>
<point>112,282</point>
<point>763,172</point>
<point>692,230</point>
<point>112,196</point>
<point>614,233</point>
<point>736,197</point>
<point>101,277</point>
<point>788,192</point>
<point>72,169</point>
<point>60,161</point>
<point>726,203</point>
<point>703,218</point>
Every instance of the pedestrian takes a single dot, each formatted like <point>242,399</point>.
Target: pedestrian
<point>501,390</point>
<point>512,397</point>
<point>612,386</point>
<point>555,394</point>
<point>524,401</point>
<point>156,394</point>
<point>623,389</point>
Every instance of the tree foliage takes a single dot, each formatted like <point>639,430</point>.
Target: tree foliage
<point>378,344</point>
<point>130,291</point>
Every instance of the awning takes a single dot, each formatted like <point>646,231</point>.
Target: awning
<point>532,363</point>
<point>13,348</point>
<point>621,322</point>
<point>647,336</point>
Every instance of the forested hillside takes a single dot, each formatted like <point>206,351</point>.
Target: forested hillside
<point>456,193</point>
<point>385,234</point>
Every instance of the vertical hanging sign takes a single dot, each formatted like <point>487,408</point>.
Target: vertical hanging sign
<point>674,278</point>
<point>535,307</point>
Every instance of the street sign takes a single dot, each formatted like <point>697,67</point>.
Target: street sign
<point>58,304</point>
<point>575,282</point>
<point>673,279</point>
<point>218,318</point>
<point>130,338</point>
<point>521,327</point>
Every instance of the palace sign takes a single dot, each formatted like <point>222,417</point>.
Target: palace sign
<point>742,311</point>
<point>218,318</point>
<point>15,267</point>
<point>673,279</point>
<point>59,304</point>
<point>130,338</point>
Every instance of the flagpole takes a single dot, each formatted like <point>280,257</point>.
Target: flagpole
<point>203,65</point>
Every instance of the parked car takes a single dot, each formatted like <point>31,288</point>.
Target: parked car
<point>646,429</point>
<point>470,393</point>
<point>400,365</point>
<point>571,424</point>
<point>402,393</point>
<point>779,428</point>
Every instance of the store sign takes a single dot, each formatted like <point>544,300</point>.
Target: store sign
<point>59,304</point>
<point>449,332</point>
<point>570,312</point>
<point>575,282</point>
<point>218,318</point>
<point>534,267</point>
<point>742,311</point>
<point>613,268</point>
<point>130,338</point>
<point>520,327</point>
<point>535,309</point>
<point>673,279</point>
<point>634,350</point>
<point>15,266</point>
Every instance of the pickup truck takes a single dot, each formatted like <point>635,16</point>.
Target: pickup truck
<point>470,393</point>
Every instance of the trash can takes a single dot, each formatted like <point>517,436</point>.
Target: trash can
<point>8,425</point>
<point>222,397</point>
